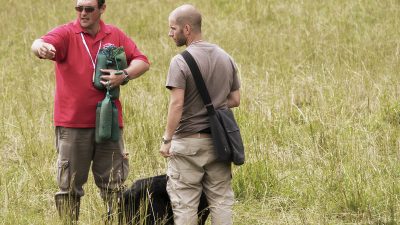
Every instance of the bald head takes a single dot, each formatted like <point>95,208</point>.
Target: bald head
<point>187,14</point>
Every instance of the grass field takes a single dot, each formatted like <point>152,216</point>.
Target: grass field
<point>320,111</point>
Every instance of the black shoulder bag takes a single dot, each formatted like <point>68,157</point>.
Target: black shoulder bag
<point>225,132</point>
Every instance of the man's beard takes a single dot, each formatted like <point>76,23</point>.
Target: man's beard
<point>180,40</point>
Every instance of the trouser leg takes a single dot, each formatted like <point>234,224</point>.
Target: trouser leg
<point>115,207</point>
<point>110,169</point>
<point>218,189</point>
<point>192,169</point>
<point>68,207</point>
<point>185,175</point>
<point>75,149</point>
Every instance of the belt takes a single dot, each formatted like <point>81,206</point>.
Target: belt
<point>199,135</point>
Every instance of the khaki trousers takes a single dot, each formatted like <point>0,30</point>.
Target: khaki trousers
<point>77,150</point>
<point>192,169</point>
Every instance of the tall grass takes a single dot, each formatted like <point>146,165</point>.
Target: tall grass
<point>319,113</point>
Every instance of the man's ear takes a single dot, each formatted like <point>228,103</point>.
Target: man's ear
<point>187,29</point>
<point>103,8</point>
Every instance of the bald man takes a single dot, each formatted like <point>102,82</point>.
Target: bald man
<point>192,164</point>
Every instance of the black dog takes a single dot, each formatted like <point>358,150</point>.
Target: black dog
<point>147,202</point>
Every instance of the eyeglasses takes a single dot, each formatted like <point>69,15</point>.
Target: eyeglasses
<point>87,9</point>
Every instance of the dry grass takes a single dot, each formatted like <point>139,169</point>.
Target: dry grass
<point>319,114</point>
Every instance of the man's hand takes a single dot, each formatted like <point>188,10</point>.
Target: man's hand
<point>43,50</point>
<point>114,79</point>
<point>165,150</point>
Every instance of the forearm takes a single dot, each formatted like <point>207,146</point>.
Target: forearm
<point>174,116</point>
<point>137,68</point>
<point>234,99</point>
<point>174,111</point>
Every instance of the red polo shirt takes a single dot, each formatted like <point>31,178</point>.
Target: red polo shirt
<point>75,96</point>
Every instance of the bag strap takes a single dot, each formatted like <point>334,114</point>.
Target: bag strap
<point>198,78</point>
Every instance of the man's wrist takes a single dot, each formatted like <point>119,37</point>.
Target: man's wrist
<point>126,77</point>
<point>165,140</point>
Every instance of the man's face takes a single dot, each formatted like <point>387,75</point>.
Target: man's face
<point>176,33</point>
<point>88,13</point>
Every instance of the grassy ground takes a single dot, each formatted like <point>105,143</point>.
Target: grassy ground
<point>319,114</point>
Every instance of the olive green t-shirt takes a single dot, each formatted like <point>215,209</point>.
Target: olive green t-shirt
<point>220,75</point>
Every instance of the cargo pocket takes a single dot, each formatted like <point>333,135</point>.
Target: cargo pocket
<point>183,148</point>
<point>63,174</point>
<point>172,179</point>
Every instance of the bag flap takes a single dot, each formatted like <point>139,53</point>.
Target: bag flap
<point>227,119</point>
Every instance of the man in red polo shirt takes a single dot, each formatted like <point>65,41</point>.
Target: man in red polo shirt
<point>74,48</point>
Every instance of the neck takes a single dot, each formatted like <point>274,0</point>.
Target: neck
<point>193,40</point>
<point>93,30</point>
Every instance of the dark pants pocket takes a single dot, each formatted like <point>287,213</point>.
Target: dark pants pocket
<point>63,174</point>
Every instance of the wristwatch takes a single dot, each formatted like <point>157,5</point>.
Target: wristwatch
<point>165,141</point>
<point>126,78</point>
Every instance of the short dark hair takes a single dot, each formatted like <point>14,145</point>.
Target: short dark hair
<point>101,3</point>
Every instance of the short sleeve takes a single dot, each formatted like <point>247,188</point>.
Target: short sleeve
<point>176,76</point>
<point>235,82</point>
<point>59,38</point>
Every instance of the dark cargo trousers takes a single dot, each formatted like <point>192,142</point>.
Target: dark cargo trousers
<point>77,151</point>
